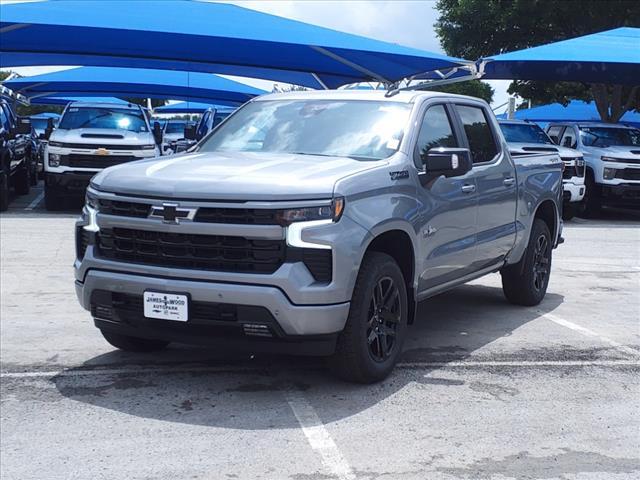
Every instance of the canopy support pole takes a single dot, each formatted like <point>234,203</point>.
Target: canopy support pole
<point>349,63</point>
<point>322,84</point>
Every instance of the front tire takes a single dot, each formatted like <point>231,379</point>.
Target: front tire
<point>22,180</point>
<point>133,344</point>
<point>371,342</point>
<point>592,201</point>
<point>4,191</point>
<point>568,212</point>
<point>52,201</point>
<point>525,283</point>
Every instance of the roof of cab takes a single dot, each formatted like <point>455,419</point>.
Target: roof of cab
<point>406,96</point>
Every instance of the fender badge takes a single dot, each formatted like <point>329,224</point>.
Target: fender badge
<point>399,174</point>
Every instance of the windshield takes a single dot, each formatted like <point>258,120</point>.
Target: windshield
<point>175,127</point>
<point>524,133</point>
<point>608,136</point>
<point>364,130</point>
<point>103,117</point>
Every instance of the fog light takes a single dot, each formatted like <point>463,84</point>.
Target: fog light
<point>257,330</point>
<point>609,173</point>
<point>54,160</point>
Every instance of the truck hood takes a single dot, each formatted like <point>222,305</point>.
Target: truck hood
<point>102,136</point>
<point>522,148</point>
<point>231,176</point>
<point>631,153</point>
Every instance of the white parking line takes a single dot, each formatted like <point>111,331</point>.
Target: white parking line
<point>35,202</point>
<point>47,374</point>
<point>590,333</point>
<point>318,436</point>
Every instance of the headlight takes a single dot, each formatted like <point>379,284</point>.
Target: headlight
<point>309,214</point>
<point>609,173</point>
<point>612,159</point>
<point>148,147</point>
<point>91,200</point>
<point>91,209</point>
<point>580,162</point>
<point>55,144</point>
<point>54,159</point>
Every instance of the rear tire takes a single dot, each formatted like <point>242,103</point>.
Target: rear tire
<point>525,283</point>
<point>22,181</point>
<point>4,191</point>
<point>568,212</point>
<point>371,342</point>
<point>592,201</point>
<point>133,344</point>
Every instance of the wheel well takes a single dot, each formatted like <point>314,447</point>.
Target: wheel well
<point>397,244</point>
<point>547,213</point>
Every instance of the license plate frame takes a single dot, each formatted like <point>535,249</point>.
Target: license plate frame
<point>171,306</point>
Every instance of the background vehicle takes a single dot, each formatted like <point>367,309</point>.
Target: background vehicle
<point>612,156</point>
<point>210,119</point>
<point>15,153</point>
<point>313,223</point>
<point>525,138</point>
<point>90,137</point>
<point>40,122</point>
<point>172,133</point>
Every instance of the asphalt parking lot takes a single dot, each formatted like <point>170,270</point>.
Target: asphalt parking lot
<point>485,390</point>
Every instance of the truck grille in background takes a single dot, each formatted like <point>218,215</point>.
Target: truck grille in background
<point>201,252</point>
<point>124,209</point>
<point>573,171</point>
<point>80,160</point>
<point>628,174</point>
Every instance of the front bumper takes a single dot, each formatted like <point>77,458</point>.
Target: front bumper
<point>281,325</point>
<point>68,183</point>
<point>573,191</point>
<point>623,195</point>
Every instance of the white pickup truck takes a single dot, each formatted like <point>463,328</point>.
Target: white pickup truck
<point>90,137</point>
<point>612,156</point>
<point>525,138</point>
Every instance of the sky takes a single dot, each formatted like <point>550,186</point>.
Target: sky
<point>408,23</point>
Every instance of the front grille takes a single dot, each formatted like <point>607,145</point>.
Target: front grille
<point>95,146</point>
<point>124,209</point>
<point>247,216</point>
<point>129,308</point>
<point>200,252</point>
<point>80,160</point>
<point>628,174</point>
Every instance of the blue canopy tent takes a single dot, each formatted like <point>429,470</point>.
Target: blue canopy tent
<point>189,107</point>
<point>204,37</point>
<point>134,82</point>
<point>575,111</point>
<point>65,100</point>
<point>606,57</point>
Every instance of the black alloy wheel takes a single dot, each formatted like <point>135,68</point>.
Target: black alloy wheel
<point>384,318</point>
<point>541,262</point>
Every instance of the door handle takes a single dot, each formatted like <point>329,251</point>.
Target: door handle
<point>468,188</point>
<point>509,181</point>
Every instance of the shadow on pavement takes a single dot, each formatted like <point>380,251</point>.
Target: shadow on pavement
<point>240,392</point>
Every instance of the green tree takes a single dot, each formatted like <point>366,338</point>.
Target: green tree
<point>473,88</point>
<point>475,29</point>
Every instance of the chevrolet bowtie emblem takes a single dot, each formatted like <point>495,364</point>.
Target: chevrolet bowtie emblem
<point>102,151</point>
<point>172,213</point>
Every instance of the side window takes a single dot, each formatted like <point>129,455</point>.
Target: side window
<point>554,133</point>
<point>435,131</point>
<point>569,138</point>
<point>482,143</point>
<point>4,123</point>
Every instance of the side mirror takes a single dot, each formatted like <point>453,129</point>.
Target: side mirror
<point>157,133</point>
<point>24,126</point>
<point>49,130</point>
<point>190,132</point>
<point>450,162</point>
<point>568,142</point>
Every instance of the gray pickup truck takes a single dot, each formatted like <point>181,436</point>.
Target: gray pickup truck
<point>313,223</point>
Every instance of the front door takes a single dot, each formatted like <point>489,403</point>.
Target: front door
<point>448,207</point>
<point>496,182</point>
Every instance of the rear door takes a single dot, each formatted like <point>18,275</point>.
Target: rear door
<point>448,206</point>
<point>495,178</point>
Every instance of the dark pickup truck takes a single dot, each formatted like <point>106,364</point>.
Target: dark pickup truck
<point>15,154</point>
